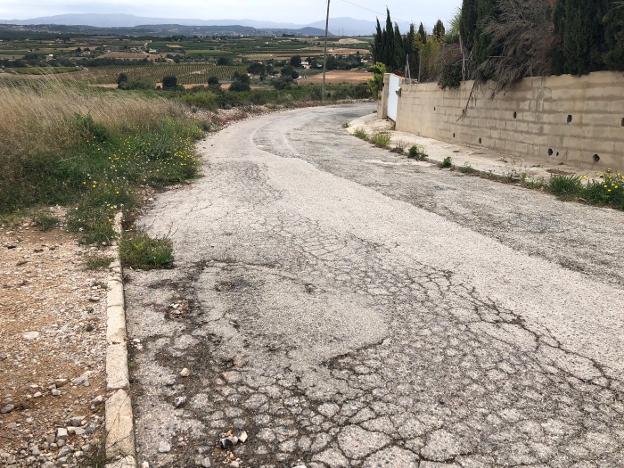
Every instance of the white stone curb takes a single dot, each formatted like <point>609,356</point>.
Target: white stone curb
<point>120,449</point>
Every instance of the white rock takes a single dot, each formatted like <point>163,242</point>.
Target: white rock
<point>61,433</point>
<point>185,372</point>
<point>31,335</point>
<point>164,447</point>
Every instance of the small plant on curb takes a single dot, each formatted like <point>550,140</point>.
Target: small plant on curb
<point>381,139</point>
<point>361,134</point>
<point>97,262</point>
<point>145,253</point>
<point>447,163</point>
<point>417,152</point>
<point>466,169</point>
<point>45,221</point>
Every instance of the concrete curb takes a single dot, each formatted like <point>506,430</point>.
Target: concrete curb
<point>120,448</point>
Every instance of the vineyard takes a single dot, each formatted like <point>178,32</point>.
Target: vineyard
<point>187,73</point>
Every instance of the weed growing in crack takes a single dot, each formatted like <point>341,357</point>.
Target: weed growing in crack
<point>417,152</point>
<point>447,163</point>
<point>145,253</point>
<point>381,139</point>
<point>361,134</point>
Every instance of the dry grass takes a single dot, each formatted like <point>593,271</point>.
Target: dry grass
<point>35,113</point>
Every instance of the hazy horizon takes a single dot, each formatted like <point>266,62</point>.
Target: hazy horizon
<point>284,11</point>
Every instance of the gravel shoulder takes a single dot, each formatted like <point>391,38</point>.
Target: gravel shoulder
<point>347,307</point>
<point>52,350</point>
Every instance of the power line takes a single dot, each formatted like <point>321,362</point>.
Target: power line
<point>362,7</point>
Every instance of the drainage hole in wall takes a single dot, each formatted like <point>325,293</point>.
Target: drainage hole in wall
<point>557,153</point>
<point>569,120</point>
<point>479,140</point>
<point>550,151</point>
<point>453,135</point>
<point>622,122</point>
<point>434,108</point>
<point>596,158</point>
<point>515,115</point>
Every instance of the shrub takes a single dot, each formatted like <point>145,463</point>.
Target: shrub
<point>447,163</point>
<point>170,82</point>
<point>45,221</point>
<point>466,169</point>
<point>213,82</point>
<point>204,99</point>
<point>361,134</point>
<point>417,152</point>
<point>380,139</point>
<point>566,186</point>
<point>451,75</point>
<point>122,80</point>
<point>145,253</point>
<point>240,83</point>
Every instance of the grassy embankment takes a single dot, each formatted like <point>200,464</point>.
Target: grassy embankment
<point>90,150</point>
<point>94,150</point>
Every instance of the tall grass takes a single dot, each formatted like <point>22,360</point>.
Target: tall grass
<point>69,144</point>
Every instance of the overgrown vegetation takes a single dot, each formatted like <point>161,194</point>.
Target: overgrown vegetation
<point>146,253</point>
<point>608,190</point>
<point>89,149</point>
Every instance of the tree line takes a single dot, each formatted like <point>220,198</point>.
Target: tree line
<point>506,40</point>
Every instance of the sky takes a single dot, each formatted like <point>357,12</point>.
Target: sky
<point>293,11</point>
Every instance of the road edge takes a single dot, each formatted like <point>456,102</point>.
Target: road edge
<point>119,445</point>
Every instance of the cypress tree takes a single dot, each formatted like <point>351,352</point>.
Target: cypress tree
<point>614,35</point>
<point>581,33</point>
<point>389,47</point>
<point>377,48</point>
<point>439,31</point>
<point>422,34</point>
<point>399,49</point>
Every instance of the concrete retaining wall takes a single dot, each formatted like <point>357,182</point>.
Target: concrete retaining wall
<point>576,120</point>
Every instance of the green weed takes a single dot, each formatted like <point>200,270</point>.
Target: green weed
<point>361,134</point>
<point>380,139</point>
<point>417,152</point>
<point>45,221</point>
<point>97,262</point>
<point>447,163</point>
<point>142,252</point>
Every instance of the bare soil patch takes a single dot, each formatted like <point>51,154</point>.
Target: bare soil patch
<point>52,350</point>
<point>341,76</point>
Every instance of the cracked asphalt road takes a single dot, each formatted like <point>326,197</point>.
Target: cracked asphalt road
<point>347,307</point>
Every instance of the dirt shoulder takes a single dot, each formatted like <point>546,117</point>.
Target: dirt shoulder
<point>52,349</point>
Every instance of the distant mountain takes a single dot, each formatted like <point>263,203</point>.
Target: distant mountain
<point>352,27</point>
<point>337,26</point>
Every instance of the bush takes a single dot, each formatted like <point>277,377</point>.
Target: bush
<point>608,191</point>
<point>142,252</point>
<point>170,82</point>
<point>447,163</point>
<point>451,75</point>
<point>417,152</point>
<point>240,83</point>
<point>381,139</point>
<point>213,82</point>
<point>122,80</point>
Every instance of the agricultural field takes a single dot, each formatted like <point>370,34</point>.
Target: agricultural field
<point>187,73</point>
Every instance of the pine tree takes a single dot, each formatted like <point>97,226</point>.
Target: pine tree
<point>439,31</point>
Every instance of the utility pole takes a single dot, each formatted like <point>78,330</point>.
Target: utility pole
<point>325,53</point>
